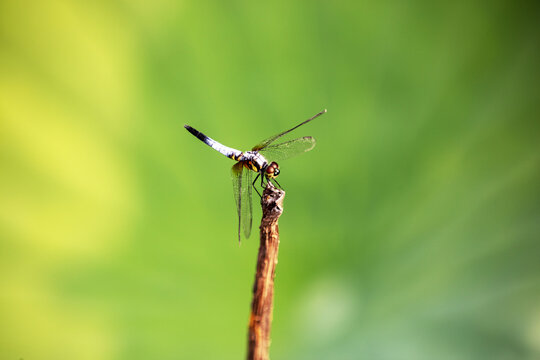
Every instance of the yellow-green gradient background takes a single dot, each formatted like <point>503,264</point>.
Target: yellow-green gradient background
<point>412,230</point>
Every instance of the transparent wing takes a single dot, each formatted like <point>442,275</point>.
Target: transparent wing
<point>263,144</point>
<point>288,149</point>
<point>236,174</point>
<point>247,204</point>
<point>241,179</point>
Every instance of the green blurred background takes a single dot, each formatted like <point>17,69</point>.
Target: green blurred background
<point>410,232</point>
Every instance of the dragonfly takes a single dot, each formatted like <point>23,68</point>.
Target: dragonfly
<point>255,161</point>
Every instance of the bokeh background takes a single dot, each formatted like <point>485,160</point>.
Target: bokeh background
<point>410,232</point>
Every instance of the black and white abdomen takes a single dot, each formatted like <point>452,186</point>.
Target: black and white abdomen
<point>225,150</point>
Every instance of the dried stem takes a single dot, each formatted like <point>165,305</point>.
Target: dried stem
<point>260,320</point>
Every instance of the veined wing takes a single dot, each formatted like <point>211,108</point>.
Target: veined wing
<point>263,144</point>
<point>242,179</point>
<point>288,149</point>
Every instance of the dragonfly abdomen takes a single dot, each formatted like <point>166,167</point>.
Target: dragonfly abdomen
<point>225,150</point>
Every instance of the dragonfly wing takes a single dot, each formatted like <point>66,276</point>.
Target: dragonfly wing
<point>236,174</point>
<point>241,179</point>
<point>247,203</point>
<point>288,149</point>
<point>263,144</point>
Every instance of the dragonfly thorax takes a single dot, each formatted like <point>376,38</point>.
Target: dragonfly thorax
<point>254,161</point>
<point>258,163</point>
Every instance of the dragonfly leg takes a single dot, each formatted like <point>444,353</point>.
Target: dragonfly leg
<point>253,184</point>
<point>278,183</point>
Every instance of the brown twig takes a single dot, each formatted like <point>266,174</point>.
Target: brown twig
<point>260,320</point>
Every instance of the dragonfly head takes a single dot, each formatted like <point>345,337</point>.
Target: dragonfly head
<point>272,170</point>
